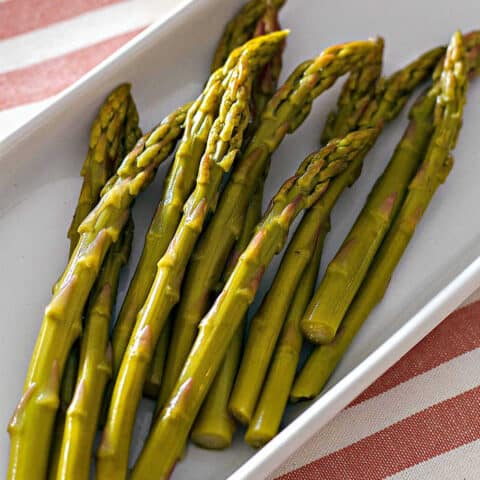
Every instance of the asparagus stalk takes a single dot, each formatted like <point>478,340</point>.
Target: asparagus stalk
<point>214,426</point>
<point>242,28</point>
<point>266,420</point>
<point>434,169</point>
<point>224,141</point>
<point>264,87</point>
<point>356,94</point>
<point>284,113</point>
<point>32,422</point>
<point>219,325</point>
<point>267,323</point>
<point>95,367</point>
<point>102,152</point>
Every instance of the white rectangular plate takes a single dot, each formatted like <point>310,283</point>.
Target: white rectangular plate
<point>167,65</point>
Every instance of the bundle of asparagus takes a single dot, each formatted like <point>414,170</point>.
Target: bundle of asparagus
<point>264,87</point>
<point>267,323</point>
<point>389,192</point>
<point>283,114</point>
<point>32,422</point>
<point>237,115</point>
<point>179,184</point>
<point>219,325</point>
<point>435,123</point>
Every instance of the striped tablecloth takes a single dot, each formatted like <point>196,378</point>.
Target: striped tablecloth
<point>419,421</point>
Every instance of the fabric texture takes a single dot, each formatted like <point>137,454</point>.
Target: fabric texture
<point>419,421</point>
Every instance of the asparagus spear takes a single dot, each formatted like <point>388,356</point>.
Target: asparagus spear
<point>219,325</point>
<point>263,89</point>
<point>284,113</point>
<point>356,94</point>
<point>265,422</point>
<point>214,427</point>
<point>242,28</point>
<point>95,367</point>
<point>347,270</point>
<point>102,152</point>
<point>31,425</point>
<point>267,323</point>
<point>436,165</point>
<point>265,85</point>
<point>224,141</point>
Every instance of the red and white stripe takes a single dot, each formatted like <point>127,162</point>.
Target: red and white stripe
<point>419,421</point>
<point>46,45</point>
<point>415,422</point>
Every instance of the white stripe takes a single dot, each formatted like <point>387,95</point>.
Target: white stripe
<point>463,463</point>
<point>81,31</point>
<point>14,118</point>
<point>355,423</point>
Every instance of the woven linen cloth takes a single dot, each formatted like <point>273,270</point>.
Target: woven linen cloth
<point>420,420</point>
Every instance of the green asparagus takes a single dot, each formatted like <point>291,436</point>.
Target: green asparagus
<point>219,325</point>
<point>356,94</point>
<point>267,323</point>
<point>265,422</point>
<point>242,28</point>
<point>284,113</point>
<point>102,152</point>
<point>267,23</point>
<point>77,440</point>
<point>214,427</point>
<point>450,97</point>
<point>223,144</point>
<point>95,367</point>
<point>347,270</point>
<point>31,425</point>
<point>264,87</point>
<point>108,145</point>
<point>178,185</point>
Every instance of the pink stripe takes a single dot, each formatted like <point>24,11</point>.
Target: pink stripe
<point>457,334</point>
<point>44,79</point>
<point>20,16</point>
<point>427,434</point>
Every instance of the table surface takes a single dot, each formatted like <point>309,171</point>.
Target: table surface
<point>420,419</point>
